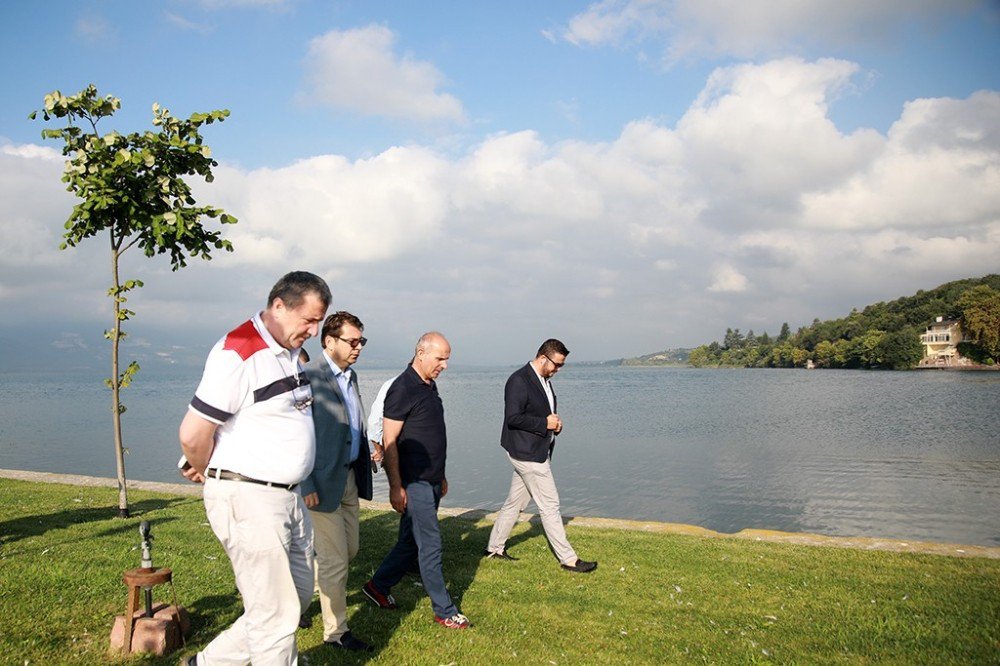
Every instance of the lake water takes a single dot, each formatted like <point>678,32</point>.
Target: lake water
<point>903,455</point>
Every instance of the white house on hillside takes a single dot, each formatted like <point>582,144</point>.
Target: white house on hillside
<point>941,344</point>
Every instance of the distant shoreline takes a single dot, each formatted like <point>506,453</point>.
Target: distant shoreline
<point>801,539</point>
<point>948,368</point>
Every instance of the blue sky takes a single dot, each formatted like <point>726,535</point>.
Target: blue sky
<point>628,176</point>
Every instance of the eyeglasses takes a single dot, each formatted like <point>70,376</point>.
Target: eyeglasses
<point>301,394</point>
<point>303,405</point>
<point>558,365</point>
<point>354,342</point>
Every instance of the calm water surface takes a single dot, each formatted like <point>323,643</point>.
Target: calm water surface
<point>905,455</point>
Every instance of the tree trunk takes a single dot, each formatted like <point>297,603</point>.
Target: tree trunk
<point>115,389</point>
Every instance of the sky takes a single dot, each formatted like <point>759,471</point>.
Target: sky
<point>627,175</point>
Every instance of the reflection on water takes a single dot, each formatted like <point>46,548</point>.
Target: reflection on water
<point>905,455</point>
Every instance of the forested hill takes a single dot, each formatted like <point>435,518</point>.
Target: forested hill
<point>884,335</point>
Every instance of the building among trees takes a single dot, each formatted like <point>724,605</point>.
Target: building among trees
<point>941,344</point>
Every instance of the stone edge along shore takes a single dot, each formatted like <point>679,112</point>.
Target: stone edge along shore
<point>801,539</point>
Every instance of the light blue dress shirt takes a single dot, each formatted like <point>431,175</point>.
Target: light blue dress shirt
<point>353,404</point>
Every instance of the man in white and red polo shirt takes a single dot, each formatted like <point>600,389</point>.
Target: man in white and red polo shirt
<point>248,435</point>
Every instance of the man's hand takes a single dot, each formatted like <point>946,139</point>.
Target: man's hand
<point>378,453</point>
<point>397,497</point>
<point>191,474</point>
<point>311,500</point>
<point>444,487</point>
<point>554,423</point>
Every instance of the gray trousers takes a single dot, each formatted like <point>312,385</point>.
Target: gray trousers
<point>533,481</point>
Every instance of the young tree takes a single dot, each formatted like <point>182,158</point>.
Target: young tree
<point>132,187</point>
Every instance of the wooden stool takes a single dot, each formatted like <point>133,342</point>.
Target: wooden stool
<point>171,621</point>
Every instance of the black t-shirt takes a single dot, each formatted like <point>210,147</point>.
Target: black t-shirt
<point>423,443</point>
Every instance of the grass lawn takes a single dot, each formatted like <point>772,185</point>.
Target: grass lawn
<point>654,599</point>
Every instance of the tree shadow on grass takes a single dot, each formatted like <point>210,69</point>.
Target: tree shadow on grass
<point>211,614</point>
<point>26,527</point>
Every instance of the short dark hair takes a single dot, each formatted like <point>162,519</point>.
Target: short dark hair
<point>293,287</point>
<point>552,346</point>
<point>334,324</point>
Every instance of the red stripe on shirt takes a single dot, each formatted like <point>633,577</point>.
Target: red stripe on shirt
<point>244,340</point>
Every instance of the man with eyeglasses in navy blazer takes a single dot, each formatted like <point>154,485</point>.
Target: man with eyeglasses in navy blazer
<point>530,426</point>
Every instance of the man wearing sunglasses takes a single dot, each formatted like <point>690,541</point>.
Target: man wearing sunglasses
<point>342,472</point>
<point>530,426</point>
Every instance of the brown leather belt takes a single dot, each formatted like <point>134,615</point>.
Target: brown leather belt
<point>226,475</point>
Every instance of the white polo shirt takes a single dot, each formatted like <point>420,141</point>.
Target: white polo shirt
<point>250,387</point>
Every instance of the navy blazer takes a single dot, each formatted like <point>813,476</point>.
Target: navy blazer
<point>525,434</point>
<point>333,440</point>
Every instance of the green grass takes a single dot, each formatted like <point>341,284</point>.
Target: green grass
<point>656,598</point>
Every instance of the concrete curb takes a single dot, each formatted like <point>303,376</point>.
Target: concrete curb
<point>799,539</point>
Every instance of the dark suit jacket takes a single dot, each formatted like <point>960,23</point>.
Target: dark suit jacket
<point>333,440</point>
<point>525,410</point>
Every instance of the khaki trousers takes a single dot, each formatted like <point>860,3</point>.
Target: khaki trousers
<point>336,539</point>
<point>533,481</point>
<point>267,535</point>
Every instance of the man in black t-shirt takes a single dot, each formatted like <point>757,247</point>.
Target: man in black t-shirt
<point>416,445</point>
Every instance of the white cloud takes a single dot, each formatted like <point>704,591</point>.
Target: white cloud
<point>226,4</point>
<point>187,24</point>
<point>753,191</point>
<point>359,70</point>
<point>750,28</point>
<point>33,194</point>
<point>758,135</point>
<point>326,210</point>
<point>728,280</point>
<point>613,21</point>
<point>939,170</point>
<point>94,29</point>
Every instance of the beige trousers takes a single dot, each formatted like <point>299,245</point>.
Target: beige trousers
<point>336,539</point>
<point>267,535</point>
<point>533,481</point>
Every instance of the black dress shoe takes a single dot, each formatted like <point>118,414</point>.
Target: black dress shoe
<point>349,642</point>
<point>305,622</point>
<point>581,566</point>
<point>502,555</point>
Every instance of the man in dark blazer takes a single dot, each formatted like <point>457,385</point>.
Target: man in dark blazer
<point>342,472</point>
<point>530,426</point>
